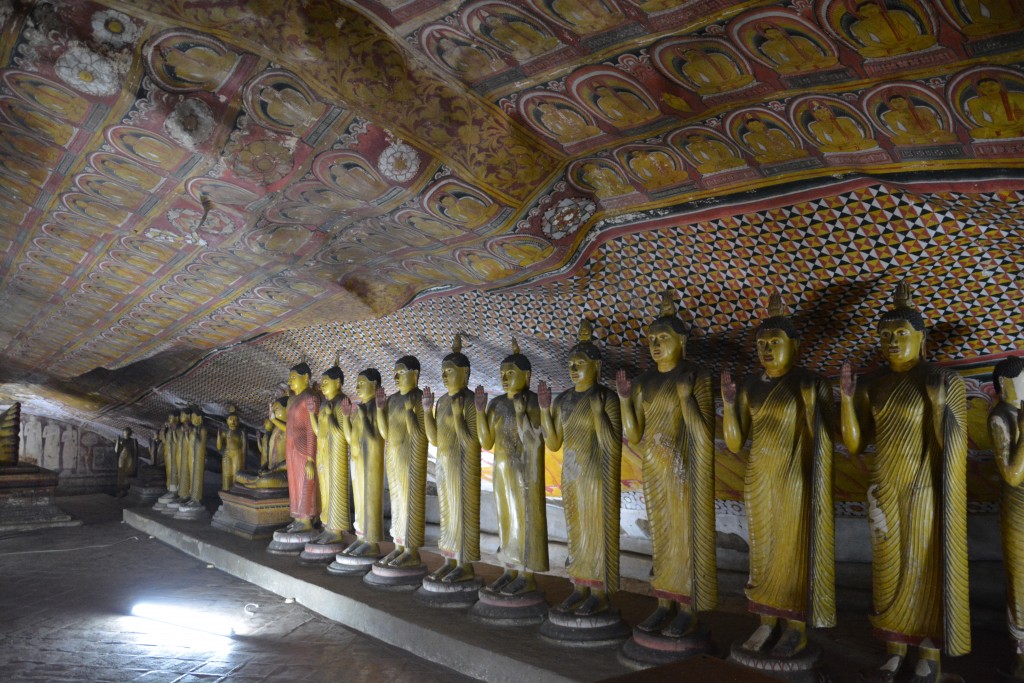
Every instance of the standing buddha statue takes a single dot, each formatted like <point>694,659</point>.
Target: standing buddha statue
<point>366,452</point>
<point>915,413</point>
<point>233,448</point>
<point>332,461</point>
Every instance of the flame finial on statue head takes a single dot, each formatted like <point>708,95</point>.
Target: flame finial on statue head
<point>903,307</point>
<point>776,307</point>
<point>457,343</point>
<point>668,315</point>
<point>456,357</point>
<point>517,358</point>
<point>585,340</point>
<point>777,318</point>
<point>515,346</point>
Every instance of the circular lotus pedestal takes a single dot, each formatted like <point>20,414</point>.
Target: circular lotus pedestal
<point>171,507</point>
<point>805,666</point>
<point>162,502</point>
<point>595,630</point>
<point>291,543</point>
<point>518,609</point>
<point>647,648</point>
<point>191,511</point>
<point>390,578</point>
<point>320,553</point>
<point>449,595</point>
<point>352,565</point>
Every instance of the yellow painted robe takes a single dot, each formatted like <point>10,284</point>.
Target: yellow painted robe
<point>918,510</point>
<point>591,462</point>
<point>457,473</point>
<point>679,484</point>
<point>1011,521</point>
<point>332,466</point>
<point>366,458</point>
<point>405,457</point>
<point>788,494</point>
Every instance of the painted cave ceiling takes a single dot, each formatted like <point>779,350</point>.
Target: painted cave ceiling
<point>181,177</point>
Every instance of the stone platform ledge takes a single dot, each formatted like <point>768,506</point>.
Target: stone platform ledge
<point>446,637</point>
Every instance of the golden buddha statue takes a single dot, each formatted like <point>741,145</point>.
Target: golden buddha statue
<point>668,415</point>
<point>565,124</point>
<point>792,53</point>
<point>587,16</point>
<point>710,155</point>
<point>884,32</point>
<point>522,39</point>
<point>710,72</point>
<point>300,449</point>
<point>770,145</point>
<point>273,470</point>
<point>655,169</point>
<point>168,437</point>
<point>366,453</point>
<point>915,413</point>
<point>787,411</point>
<point>585,422</point>
<point>233,448</point>
<point>400,421</point>
<point>127,449</point>
<point>10,435</point>
<point>605,181</point>
<point>452,430</point>
<point>988,17</point>
<point>1006,425</point>
<point>195,453</point>
<point>913,124</point>
<point>510,426</point>
<point>183,454</point>
<point>332,457</point>
<point>622,107</point>
<point>997,112</point>
<point>836,133</point>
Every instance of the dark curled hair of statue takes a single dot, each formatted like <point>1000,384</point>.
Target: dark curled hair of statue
<point>777,318</point>
<point>410,363</point>
<point>517,359</point>
<point>301,369</point>
<point>585,344</point>
<point>904,310</point>
<point>1008,368</point>
<point>334,372</point>
<point>371,374</point>
<point>282,401</point>
<point>456,357</point>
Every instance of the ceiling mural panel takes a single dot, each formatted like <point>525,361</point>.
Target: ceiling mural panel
<point>179,176</point>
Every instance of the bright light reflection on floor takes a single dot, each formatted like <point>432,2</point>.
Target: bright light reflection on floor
<point>178,626</point>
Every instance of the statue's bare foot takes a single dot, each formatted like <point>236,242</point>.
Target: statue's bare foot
<point>654,620</point>
<point>592,605</point>
<point>299,526</point>
<point>886,673</point>
<point>387,559</point>
<point>408,558</point>
<point>502,581</point>
<point>463,572</point>
<point>365,549</point>
<point>926,671</point>
<point>516,585</point>
<point>791,642</point>
<point>441,571</point>
<point>575,598</point>
<point>352,548</point>
<point>682,625</point>
<point>759,638</point>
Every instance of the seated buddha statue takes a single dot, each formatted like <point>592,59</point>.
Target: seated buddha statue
<point>998,112</point>
<point>711,72</point>
<point>273,473</point>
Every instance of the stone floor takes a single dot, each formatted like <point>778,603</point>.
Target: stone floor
<point>67,594</point>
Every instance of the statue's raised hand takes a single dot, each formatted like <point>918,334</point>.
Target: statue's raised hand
<point>544,395</point>
<point>847,381</point>
<point>381,396</point>
<point>428,399</point>
<point>348,408</point>
<point>480,397</point>
<point>728,388</point>
<point>622,384</point>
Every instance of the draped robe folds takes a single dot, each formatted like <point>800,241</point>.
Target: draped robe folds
<point>679,483</point>
<point>457,472</point>
<point>300,445</point>
<point>198,460</point>
<point>184,456</point>
<point>519,486</point>
<point>332,466</point>
<point>1011,522</point>
<point>170,445</point>
<point>591,466</point>
<point>918,510</point>
<point>405,457</point>
<point>788,494</point>
<point>366,452</point>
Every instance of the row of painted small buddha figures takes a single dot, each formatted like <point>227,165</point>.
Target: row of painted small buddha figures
<point>913,412</point>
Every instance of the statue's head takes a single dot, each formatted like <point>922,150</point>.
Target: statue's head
<point>280,408</point>
<point>366,384</point>
<point>197,418</point>
<point>298,378</point>
<point>1008,380</point>
<point>901,331</point>
<point>127,432</point>
<point>232,418</point>
<point>172,419</point>
<point>898,102</point>
<point>778,342</point>
<point>756,125</point>
<point>185,419</point>
<point>407,373</point>
<point>989,86</point>
<point>584,358</point>
<point>666,336</point>
<point>332,379</point>
<point>515,371</point>
<point>455,368</point>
